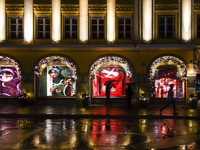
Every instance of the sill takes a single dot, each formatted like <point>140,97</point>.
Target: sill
<point>124,41</point>
<point>70,41</point>
<point>42,41</point>
<point>166,41</point>
<point>14,41</point>
<point>97,41</point>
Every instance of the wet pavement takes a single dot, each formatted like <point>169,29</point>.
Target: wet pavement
<point>114,128</point>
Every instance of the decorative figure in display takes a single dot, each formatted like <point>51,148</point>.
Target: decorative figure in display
<point>53,73</point>
<point>170,100</point>
<point>10,82</point>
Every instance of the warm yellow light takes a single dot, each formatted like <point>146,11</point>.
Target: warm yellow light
<point>186,20</point>
<point>147,20</point>
<point>2,20</point>
<point>110,20</point>
<point>83,10</point>
<point>28,20</point>
<point>56,20</point>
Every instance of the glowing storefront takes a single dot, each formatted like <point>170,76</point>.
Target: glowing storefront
<point>10,77</point>
<point>164,71</point>
<point>56,77</point>
<point>106,68</point>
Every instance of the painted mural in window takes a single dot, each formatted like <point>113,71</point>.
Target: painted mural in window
<point>10,81</point>
<point>57,80</point>
<point>163,77</point>
<point>107,72</point>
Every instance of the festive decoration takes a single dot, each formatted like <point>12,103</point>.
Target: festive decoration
<point>23,96</point>
<point>12,62</point>
<point>49,60</point>
<point>143,97</point>
<point>168,60</point>
<point>110,60</point>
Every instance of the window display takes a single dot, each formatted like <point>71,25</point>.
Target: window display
<point>57,80</point>
<point>107,72</point>
<point>163,77</point>
<point>10,81</point>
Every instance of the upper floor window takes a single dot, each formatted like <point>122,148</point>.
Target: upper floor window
<point>43,27</point>
<point>165,27</point>
<point>15,27</point>
<point>70,28</point>
<point>124,28</point>
<point>97,28</point>
<point>198,26</point>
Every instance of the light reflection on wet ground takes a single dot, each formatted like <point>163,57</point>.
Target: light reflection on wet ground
<point>100,134</point>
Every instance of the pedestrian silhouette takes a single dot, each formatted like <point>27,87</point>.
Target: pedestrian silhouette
<point>170,100</point>
<point>108,87</point>
<point>129,93</point>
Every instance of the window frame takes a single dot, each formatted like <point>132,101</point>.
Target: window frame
<point>17,26</point>
<point>124,24</point>
<point>44,27</point>
<point>71,24</point>
<point>98,25</point>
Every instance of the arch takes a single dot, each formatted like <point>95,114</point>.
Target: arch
<point>111,58</point>
<point>10,76</point>
<point>53,58</point>
<point>168,60</point>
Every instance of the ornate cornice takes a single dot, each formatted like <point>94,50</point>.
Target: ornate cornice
<point>69,7</point>
<point>124,7</point>
<point>166,7</point>
<point>42,7</point>
<point>196,6</point>
<point>14,7</point>
<point>97,7</point>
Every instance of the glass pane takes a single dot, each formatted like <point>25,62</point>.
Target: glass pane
<point>128,35</point>
<point>47,21</point>
<point>198,19</point>
<point>161,28</point>
<point>20,35</point>
<point>94,36</point>
<point>128,21</point>
<point>74,35</point>
<point>47,28</point>
<point>40,27</point>
<point>13,27</point>
<point>67,35</point>
<point>74,28</point>
<point>161,20</point>
<point>161,35</point>
<point>40,21</point>
<point>13,35</point>
<point>169,20</point>
<point>101,28</point>
<point>20,21</point>
<point>128,28</point>
<point>121,36</point>
<point>74,21</point>
<point>198,34</point>
<point>94,21</point>
<point>47,35</point>
<point>13,21</point>
<point>198,27</point>
<point>169,28</point>
<point>121,21</point>
<point>67,21</point>
<point>40,35</point>
<point>101,21</point>
<point>101,35</point>
<point>94,28</point>
<point>67,27</point>
<point>121,28</point>
<point>20,28</point>
<point>169,35</point>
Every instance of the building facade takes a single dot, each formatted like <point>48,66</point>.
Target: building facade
<point>58,49</point>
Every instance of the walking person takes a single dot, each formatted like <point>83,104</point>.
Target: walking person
<point>108,87</point>
<point>170,100</point>
<point>129,93</point>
